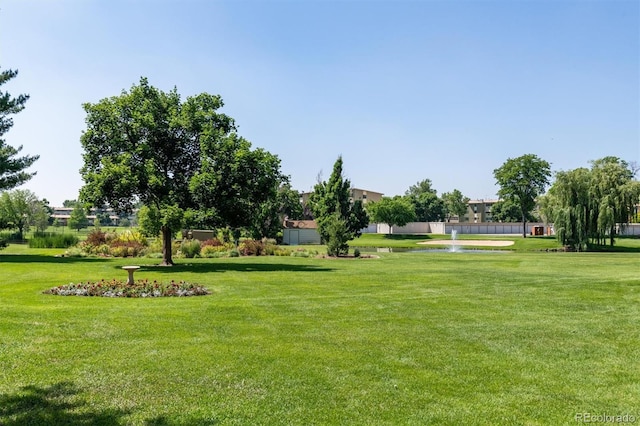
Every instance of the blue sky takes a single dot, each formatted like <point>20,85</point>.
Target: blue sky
<point>403,90</point>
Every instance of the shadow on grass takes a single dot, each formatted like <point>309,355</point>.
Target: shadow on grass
<point>218,266</point>
<point>58,404</point>
<point>35,258</point>
<point>163,421</point>
<point>61,404</point>
<point>614,249</point>
<point>405,237</point>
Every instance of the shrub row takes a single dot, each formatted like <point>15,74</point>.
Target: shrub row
<point>125,244</point>
<point>133,244</point>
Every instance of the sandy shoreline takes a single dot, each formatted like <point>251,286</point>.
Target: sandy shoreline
<point>486,243</point>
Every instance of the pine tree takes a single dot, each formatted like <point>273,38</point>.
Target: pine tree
<point>339,220</point>
<point>12,168</point>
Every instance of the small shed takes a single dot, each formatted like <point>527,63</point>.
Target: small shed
<point>298,232</point>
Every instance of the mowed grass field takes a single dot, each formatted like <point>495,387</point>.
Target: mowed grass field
<point>407,338</point>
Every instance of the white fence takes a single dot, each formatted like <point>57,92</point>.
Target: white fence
<point>632,229</point>
<point>311,236</point>
<point>480,228</point>
<point>462,228</point>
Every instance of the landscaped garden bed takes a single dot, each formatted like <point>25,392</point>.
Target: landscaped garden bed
<point>140,288</point>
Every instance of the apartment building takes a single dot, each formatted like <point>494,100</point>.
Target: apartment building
<point>363,195</point>
<point>479,211</point>
<point>62,215</point>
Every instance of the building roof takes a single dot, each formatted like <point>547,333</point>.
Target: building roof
<point>481,201</point>
<point>300,224</point>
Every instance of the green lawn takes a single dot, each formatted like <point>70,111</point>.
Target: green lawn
<point>409,338</point>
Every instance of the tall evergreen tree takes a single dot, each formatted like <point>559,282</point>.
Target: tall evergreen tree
<point>78,218</point>
<point>12,168</point>
<point>335,214</point>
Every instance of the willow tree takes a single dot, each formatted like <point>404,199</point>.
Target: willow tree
<point>588,206</point>
<point>568,206</point>
<point>614,195</point>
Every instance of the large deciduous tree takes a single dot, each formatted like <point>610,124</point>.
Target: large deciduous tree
<point>455,204</point>
<point>392,211</point>
<point>12,168</point>
<point>148,147</point>
<point>235,185</point>
<point>521,181</point>
<point>21,209</point>
<point>508,211</point>
<point>339,219</point>
<point>427,205</point>
<point>270,217</point>
<point>78,218</point>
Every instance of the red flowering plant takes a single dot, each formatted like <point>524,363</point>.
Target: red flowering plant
<point>117,288</point>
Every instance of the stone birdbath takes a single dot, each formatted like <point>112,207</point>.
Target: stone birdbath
<point>130,270</point>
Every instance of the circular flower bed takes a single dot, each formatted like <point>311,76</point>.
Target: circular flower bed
<point>141,288</point>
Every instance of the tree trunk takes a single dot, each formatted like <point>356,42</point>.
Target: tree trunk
<point>166,246</point>
<point>612,235</point>
<point>524,226</point>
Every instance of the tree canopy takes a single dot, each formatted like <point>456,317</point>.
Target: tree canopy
<point>12,167</point>
<point>339,219</point>
<point>455,204</point>
<point>392,211</point>
<point>78,218</point>
<point>428,207</point>
<point>270,217</point>
<point>22,209</point>
<point>521,181</point>
<point>588,206</point>
<point>147,146</point>
<point>508,211</point>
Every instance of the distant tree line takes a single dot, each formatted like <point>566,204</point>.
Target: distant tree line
<point>183,164</point>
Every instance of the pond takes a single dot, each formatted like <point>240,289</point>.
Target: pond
<point>426,250</point>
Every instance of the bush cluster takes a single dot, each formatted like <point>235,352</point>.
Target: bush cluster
<point>210,248</point>
<point>125,244</point>
<point>133,244</point>
<point>190,248</point>
<point>264,247</point>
